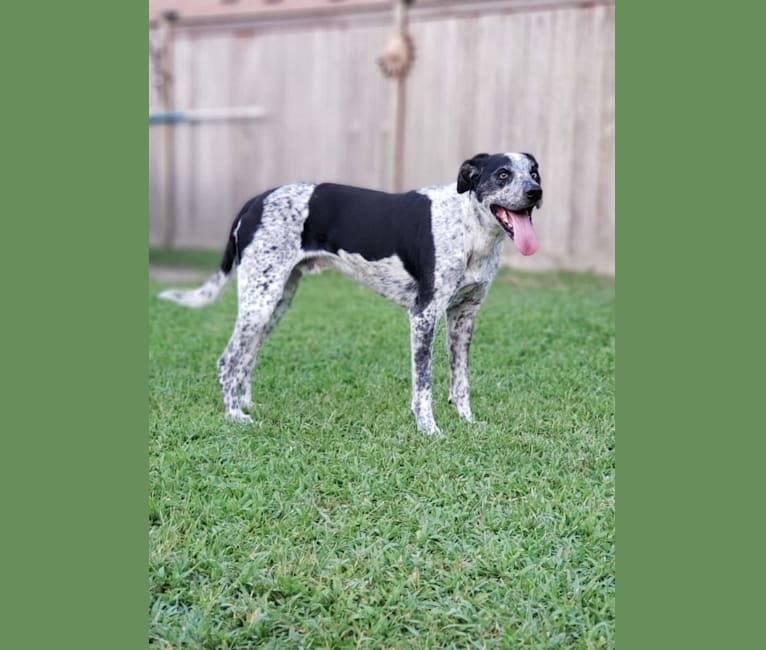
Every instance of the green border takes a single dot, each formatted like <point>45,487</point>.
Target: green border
<point>688,387</point>
<point>74,458</point>
<point>688,284</point>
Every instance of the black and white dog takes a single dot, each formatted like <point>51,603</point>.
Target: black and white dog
<point>432,251</point>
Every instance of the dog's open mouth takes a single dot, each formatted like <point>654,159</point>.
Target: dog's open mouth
<point>518,225</point>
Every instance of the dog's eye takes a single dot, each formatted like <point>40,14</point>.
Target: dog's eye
<point>503,175</point>
<point>535,175</point>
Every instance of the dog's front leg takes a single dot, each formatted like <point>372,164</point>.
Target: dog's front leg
<point>422,328</point>
<point>460,321</point>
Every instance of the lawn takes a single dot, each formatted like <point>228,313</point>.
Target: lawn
<point>330,522</point>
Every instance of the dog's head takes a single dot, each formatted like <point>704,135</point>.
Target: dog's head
<point>507,185</point>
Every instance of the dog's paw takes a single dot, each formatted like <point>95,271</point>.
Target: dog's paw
<point>429,428</point>
<point>463,407</point>
<point>246,404</point>
<point>467,416</point>
<point>239,417</point>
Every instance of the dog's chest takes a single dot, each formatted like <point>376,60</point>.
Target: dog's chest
<point>467,250</point>
<point>482,259</point>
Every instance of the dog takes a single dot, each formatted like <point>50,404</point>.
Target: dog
<point>432,251</point>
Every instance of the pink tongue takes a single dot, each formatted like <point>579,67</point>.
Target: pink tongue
<point>523,233</point>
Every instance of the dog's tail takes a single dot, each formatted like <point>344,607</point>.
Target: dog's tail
<point>209,291</point>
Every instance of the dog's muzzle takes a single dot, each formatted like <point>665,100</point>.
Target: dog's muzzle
<point>519,227</point>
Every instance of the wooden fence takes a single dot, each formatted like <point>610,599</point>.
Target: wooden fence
<point>488,76</point>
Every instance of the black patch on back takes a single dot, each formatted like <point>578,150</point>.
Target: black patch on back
<point>375,225</point>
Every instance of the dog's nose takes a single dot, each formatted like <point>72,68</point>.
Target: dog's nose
<point>534,194</point>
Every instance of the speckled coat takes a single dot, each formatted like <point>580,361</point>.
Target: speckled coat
<point>433,251</point>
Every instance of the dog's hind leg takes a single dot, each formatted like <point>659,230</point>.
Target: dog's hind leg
<point>422,328</point>
<point>231,369</point>
<point>261,284</point>
<point>246,389</point>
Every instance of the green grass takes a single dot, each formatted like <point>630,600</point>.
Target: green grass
<point>200,258</point>
<point>331,522</point>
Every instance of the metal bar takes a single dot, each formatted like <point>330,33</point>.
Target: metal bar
<point>400,107</point>
<point>207,115</point>
<point>168,133</point>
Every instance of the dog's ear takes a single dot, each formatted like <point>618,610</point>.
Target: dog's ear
<point>470,171</point>
<point>530,156</point>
